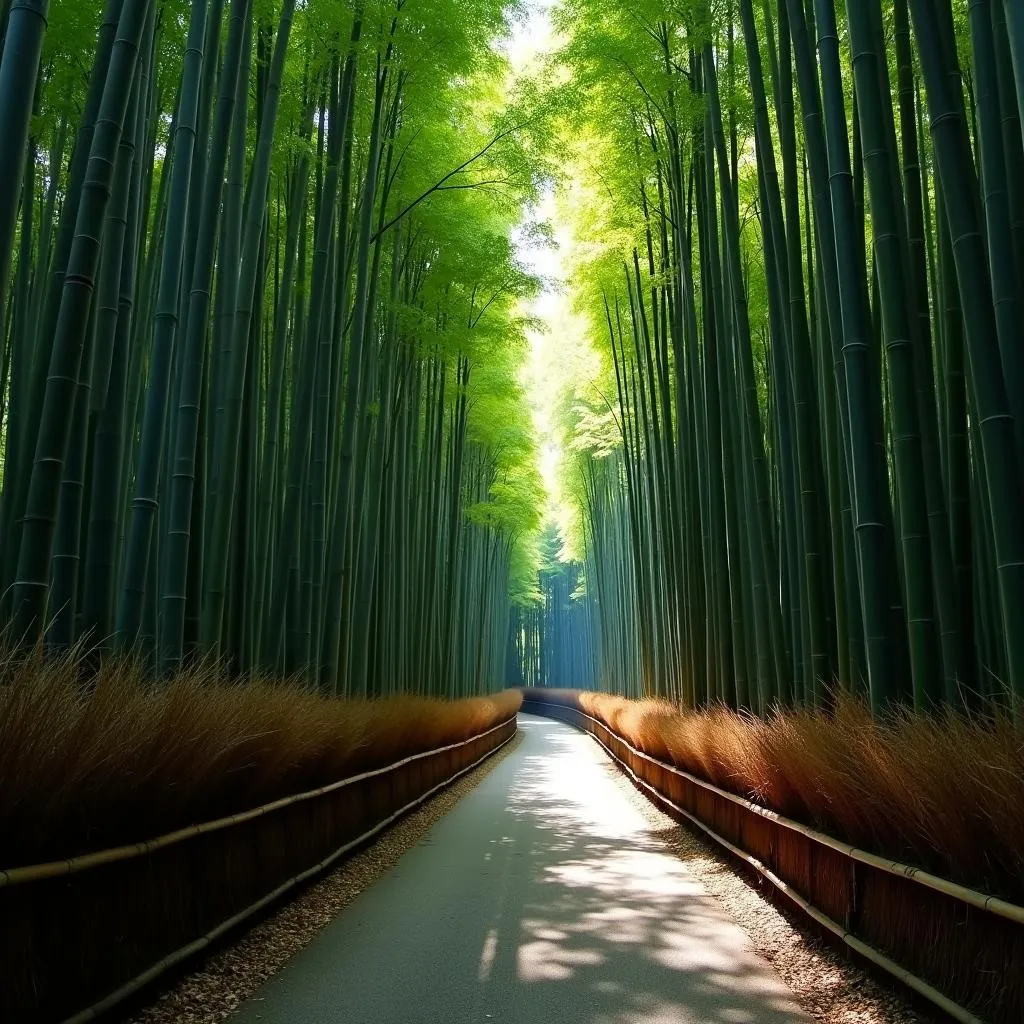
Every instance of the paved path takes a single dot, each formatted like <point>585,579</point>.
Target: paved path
<point>542,896</point>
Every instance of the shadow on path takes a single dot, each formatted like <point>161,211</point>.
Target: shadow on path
<point>542,896</point>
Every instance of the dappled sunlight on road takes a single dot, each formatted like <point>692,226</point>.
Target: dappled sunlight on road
<point>543,896</point>
<point>608,923</point>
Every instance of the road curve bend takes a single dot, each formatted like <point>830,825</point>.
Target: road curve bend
<point>542,896</point>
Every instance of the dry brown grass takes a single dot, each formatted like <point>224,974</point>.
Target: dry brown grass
<point>944,792</point>
<point>85,768</point>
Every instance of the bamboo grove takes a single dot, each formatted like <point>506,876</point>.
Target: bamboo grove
<point>552,633</point>
<point>260,382</point>
<point>799,248</point>
<point>261,331</point>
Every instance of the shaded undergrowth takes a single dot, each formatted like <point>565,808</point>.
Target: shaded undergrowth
<point>84,768</point>
<point>944,792</point>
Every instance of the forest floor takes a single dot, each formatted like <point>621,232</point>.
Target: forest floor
<point>546,889</point>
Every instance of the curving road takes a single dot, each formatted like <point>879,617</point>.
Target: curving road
<point>542,896</point>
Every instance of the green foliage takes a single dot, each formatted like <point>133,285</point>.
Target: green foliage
<point>750,449</point>
<point>378,512</point>
<point>309,407</point>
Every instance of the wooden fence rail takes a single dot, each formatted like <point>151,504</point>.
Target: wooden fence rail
<point>961,949</point>
<point>79,936</point>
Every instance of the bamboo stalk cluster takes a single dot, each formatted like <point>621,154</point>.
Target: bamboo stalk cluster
<point>552,637</point>
<point>801,235</point>
<point>260,332</point>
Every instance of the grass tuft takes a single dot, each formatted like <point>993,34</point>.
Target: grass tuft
<point>120,760</point>
<point>944,791</point>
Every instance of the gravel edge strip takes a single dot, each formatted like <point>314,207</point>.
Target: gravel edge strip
<point>827,985</point>
<point>219,985</point>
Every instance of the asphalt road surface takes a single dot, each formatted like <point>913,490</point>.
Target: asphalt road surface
<point>542,896</point>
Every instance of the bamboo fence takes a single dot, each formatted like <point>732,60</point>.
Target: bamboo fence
<point>961,950</point>
<point>79,936</point>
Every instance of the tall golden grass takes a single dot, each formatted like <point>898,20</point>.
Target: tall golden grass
<point>944,792</point>
<point>121,760</point>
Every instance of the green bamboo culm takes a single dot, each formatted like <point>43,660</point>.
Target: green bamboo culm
<point>19,68</point>
<point>840,446</point>
<point>32,583</point>
<point>146,502</point>
<point>987,374</point>
<point>226,451</point>
<point>272,388</point>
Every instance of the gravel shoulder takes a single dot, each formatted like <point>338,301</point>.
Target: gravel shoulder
<point>828,986</point>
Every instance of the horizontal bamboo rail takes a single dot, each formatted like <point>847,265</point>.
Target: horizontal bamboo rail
<point>1000,908</point>
<point>71,866</point>
<point>173,959</point>
<point>95,929</point>
<point>992,904</point>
